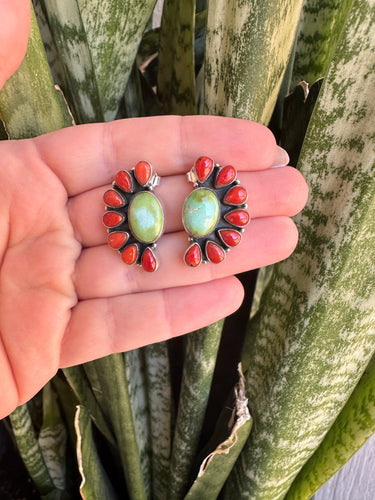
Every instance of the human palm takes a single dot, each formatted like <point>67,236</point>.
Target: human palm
<point>65,296</point>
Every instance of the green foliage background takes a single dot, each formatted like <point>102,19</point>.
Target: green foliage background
<point>177,420</point>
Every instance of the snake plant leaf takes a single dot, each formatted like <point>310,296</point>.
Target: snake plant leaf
<point>137,389</point>
<point>57,70</point>
<point>112,371</point>
<point>315,334</point>
<point>29,102</point>
<point>176,76</point>
<point>201,351</point>
<point>319,30</point>
<point>83,388</point>
<point>30,451</point>
<point>248,44</point>
<point>114,30</point>
<point>79,81</point>
<point>216,467</point>
<point>52,438</point>
<point>95,483</point>
<point>159,392</point>
<point>352,428</point>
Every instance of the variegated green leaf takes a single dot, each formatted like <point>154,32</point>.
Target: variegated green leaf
<point>159,393</point>
<point>112,373</point>
<point>216,467</point>
<point>29,103</point>
<point>52,438</point>
<point>176,77</point>
<point>199,365</point>
<point>248,44</point>
<point>95,483</point>
<point>68,31</point>
<point>319,30</point>
<point>54,62</point>
<point>137,387</point>
<point>30,450</point>
<point>315,335</point>
<point>84,390</point>
<point>352,428</point>
<point>114,30</point>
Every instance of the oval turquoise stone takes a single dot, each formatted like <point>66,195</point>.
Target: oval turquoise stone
<point>146,218</point>
<point>201,212</point>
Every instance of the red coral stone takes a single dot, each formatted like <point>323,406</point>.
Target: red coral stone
<point>112,219</point>
<point>123,180</point>
<point>149,262</point>
<point>113,199</point>
<point>236,196</point>
<point>193,255</point>
<point>130,254</point>
<point>226,176</point>
<point>230,237</point>
<point>117,239</point>
<point>238,217</point>
<point>203,167</point>
<point>143,172</point>
<point>214,253</point>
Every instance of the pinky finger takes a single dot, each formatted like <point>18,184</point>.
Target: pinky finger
<point>99,327</point>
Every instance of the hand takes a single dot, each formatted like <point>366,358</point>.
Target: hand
<point>65,296</point>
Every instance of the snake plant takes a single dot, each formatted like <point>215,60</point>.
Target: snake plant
<point>149,422</point>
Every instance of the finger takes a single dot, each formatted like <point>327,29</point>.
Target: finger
<point>281,191</point>
<point>101,272</point>
<point>105,326</point>
<point>14,33</point>
<point>88,156</point>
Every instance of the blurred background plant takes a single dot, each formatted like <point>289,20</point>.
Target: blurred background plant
<point>184,419</point>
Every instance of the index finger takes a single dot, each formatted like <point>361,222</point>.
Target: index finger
<point>88,156</point>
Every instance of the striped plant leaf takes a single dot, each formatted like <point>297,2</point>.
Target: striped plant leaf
<point>68,31</point>
<point>30,92</point>
<point>84,390</point>
<point>159,394</point>
<point>319,30</point>
<point>247,50</point>
<point>137,386</point>
<point>115,384</point>
<point>54,62</point>
<point>30,451</point>
<point>95,483</point>
<point>114,30</point>
<point>352,428</point>
<point>52,438</point>
<point>216,467</point>
<point>315,335</point>
<point>176,77</point>
<point>199,365</point>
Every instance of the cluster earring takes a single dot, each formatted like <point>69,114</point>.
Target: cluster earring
<point>214,214</point>
<point>134,216</point>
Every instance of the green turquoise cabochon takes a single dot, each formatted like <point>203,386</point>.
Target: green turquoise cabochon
<point>201,212</point>
<point>146,217</point>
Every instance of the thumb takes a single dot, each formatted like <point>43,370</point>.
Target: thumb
<point>14,33</point>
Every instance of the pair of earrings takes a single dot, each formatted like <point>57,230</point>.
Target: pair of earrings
<point>214,214</point>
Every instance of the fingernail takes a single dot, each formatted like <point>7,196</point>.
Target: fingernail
<point>281,159</point>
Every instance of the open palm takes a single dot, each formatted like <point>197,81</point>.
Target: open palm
<point>65,296</point>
